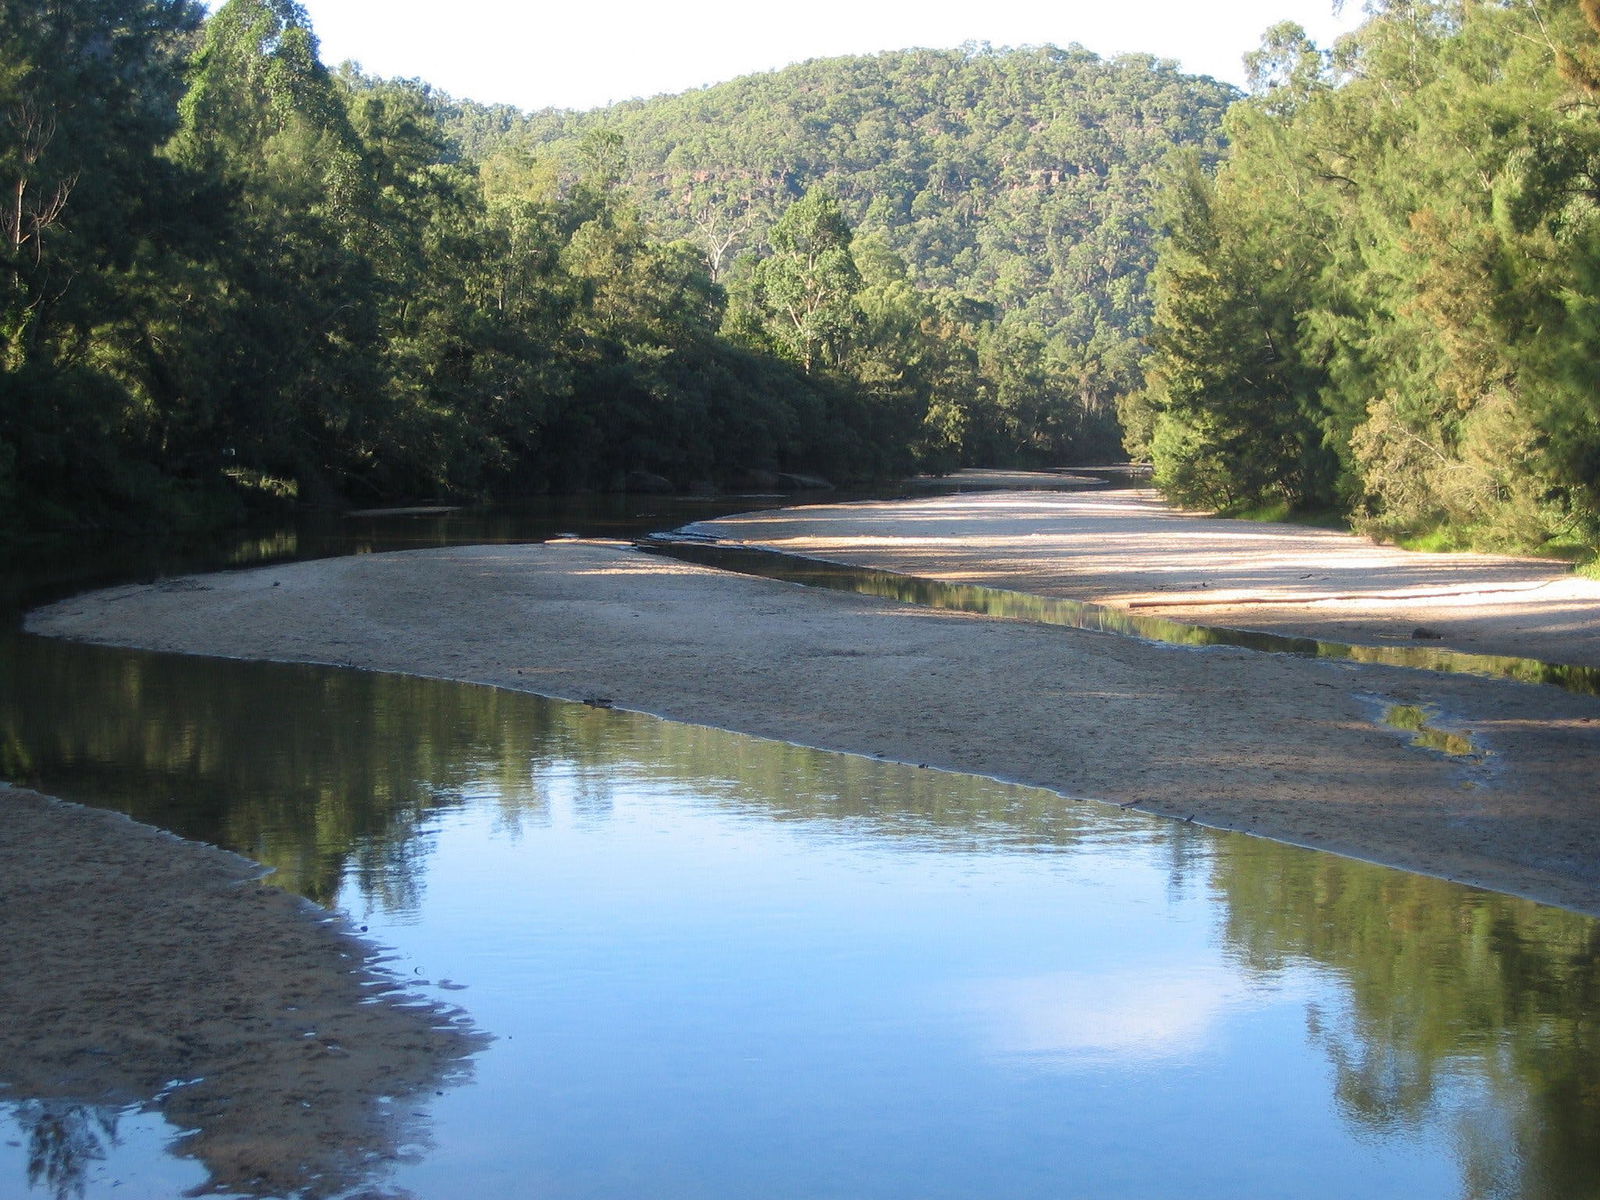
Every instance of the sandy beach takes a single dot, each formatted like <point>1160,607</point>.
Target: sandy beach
<point>1126,549</point>
<point>1293,748</point>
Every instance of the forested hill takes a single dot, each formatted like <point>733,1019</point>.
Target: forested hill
<point>230,274</point>
<point>1019,178</point>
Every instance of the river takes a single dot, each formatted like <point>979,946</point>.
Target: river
<point>720,967</point>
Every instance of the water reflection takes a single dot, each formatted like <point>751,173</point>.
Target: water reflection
<point>56,570</point>
<point>1116,1018</point>
<point>848,976</point>
<point>1417,720</point>
<point>326,775</point>
<point>1471,1010</point>
<point>64,1141</point>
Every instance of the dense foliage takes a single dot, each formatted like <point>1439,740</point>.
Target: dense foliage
<point>229,273</point>
<point>1384,300</point>
<point>1001,206</point>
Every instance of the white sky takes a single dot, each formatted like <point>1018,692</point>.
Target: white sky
<point>573,54</point>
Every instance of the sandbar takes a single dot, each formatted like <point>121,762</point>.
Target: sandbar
<point>1286,747</point>
<point>141,970</point>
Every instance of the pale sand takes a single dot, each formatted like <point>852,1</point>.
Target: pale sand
<point>1290,748</point>
<point>1126,549</point>
<point>140,969</point>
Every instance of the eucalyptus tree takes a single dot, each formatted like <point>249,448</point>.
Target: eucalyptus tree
<point>296,376</point>
<point>807,287</point>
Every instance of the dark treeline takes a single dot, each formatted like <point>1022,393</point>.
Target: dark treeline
<point>232,276</point>
<point>1383,302</point>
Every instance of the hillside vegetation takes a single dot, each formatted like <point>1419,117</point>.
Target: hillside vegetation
<point>1011,189</point>
<point>230,276</point>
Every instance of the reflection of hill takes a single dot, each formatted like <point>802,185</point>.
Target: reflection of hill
<point>138,970</point>
<point>1462,1007</point>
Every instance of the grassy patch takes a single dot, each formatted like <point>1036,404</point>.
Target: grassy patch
<point>1281,513</point>
<point>1582,556</point>
<point>1432,541</point>
<point>1569,549</point>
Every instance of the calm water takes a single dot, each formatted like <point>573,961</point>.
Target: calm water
<point>724,968</point>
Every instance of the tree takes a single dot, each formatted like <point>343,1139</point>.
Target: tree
<point>86,98</point>
<point>809,284</point>
<point>1227,376</point>
<point>298,395</point>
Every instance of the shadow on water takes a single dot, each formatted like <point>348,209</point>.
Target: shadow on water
<point>1076,614</point>
<point>57,569</point>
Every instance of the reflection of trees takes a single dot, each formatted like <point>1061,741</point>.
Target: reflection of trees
<point>1466,1008</point>
<point>308,770</point>
<point>64,1141</point>
<point>325,774</point>
<point>792,783</point>
<point>142,973</point>
<point>1465,1011</point>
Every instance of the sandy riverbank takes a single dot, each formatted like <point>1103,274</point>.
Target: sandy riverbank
<point>140,969</point>
<point>1285,747</point>
<point>1125,549</point>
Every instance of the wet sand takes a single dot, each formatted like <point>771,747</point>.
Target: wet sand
<point>139,969</point>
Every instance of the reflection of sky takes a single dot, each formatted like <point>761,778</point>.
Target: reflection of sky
<point>1123,1015</point>
<point>955,989</point>
<point>692,998</point>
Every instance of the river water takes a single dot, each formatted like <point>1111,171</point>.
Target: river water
<point>720,967</point>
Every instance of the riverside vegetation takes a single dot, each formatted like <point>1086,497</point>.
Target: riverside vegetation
<point>233,277</point>
<point>1384,302</point>
<point>231,273</point>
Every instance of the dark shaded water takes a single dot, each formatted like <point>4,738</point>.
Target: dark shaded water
<point>722,967</point>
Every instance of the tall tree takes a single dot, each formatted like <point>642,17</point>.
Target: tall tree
<point>1227,376</point>
<point>808,285</point>
<point>264,118</point>
<point>86,98</point>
